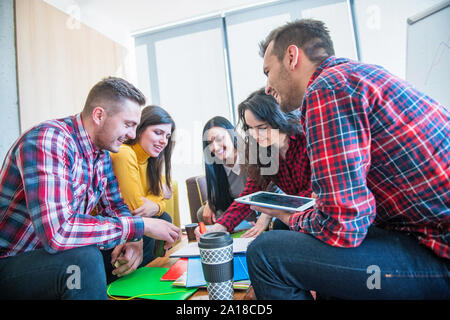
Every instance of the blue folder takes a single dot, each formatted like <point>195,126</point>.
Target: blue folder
<point>244,225</point>
<point>195,277</point>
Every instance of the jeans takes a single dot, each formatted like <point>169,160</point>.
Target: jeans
<point>81,273</point>
<point>72,274</point>
<point>387,265</point>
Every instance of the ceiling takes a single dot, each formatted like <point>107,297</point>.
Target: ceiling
<point>118,19</point>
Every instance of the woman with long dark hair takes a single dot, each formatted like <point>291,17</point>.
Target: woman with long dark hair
<point>139,166</point>
<point>224,178</point>
<point>275,152</point>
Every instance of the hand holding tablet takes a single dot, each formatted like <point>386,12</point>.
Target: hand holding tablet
<point>277,201</point>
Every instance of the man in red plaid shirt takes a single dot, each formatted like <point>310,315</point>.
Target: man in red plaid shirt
<point>54,175</point>
<point>379,152</point>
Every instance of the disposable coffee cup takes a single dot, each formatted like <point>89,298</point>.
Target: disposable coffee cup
<point>190,231</point>
<point>216,253</point>
<point>158,249</point>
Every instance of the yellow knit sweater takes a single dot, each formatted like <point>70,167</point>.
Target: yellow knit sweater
<point>130,168</point>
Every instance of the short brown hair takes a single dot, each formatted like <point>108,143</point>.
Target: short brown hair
<point>312,36</point>
<point>112,89</point>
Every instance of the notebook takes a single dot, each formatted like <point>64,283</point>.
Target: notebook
<point>237,285</point>
<point>191,250</point>
<point>145,283</point>
<point>195,277</point>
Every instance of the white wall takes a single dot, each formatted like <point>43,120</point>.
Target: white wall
<point>9,115</point>
<point>382,30</point>
<point>118,19</point>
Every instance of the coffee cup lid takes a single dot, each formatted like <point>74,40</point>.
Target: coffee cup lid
<point>190,225</point>
<point>216,239</point>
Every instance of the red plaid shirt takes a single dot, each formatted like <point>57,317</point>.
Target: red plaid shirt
<point>51,179</point>
<point>293,177</point>
<point>379,152</point>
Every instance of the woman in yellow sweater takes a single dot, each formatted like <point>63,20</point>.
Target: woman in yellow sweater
<point>138,167</point>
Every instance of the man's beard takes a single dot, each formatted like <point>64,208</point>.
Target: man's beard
<point>292,98</point>
<point>104,141</point>
<point>291,103</point>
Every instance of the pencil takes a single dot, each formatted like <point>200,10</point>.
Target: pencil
<point>201,226</point>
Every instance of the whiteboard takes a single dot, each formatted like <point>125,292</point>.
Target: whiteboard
<point>428,54</point>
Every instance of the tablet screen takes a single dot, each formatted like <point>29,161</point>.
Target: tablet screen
<point>279,200</point>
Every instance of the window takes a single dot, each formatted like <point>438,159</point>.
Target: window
<point>201,69</point>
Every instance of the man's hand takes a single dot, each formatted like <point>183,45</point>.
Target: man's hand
<point>276,213</point>
<point>280,214</point>
<point>126,258</point>
<point>167,192</point>
<point>161,230</point>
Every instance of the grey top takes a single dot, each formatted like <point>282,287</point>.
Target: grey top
<point>236,180</point>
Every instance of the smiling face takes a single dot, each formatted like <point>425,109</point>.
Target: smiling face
<point>114,129</point>
<point>280,83</point>
<point>220,143</point>
<point>264,134</point>
<point>155,138</point>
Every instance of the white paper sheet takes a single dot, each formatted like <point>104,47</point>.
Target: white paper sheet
<point>191,250</point>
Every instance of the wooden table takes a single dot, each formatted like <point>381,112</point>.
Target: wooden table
<point>167,262</point>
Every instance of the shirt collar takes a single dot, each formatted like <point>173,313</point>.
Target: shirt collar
<point>236,168</point>
<point>90,150</point>
<point>325,64</point>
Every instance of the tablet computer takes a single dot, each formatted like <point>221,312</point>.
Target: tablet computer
<point>277,201</point>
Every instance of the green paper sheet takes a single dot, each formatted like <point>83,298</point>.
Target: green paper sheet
<point>238,234</point>
<point>144,283</point>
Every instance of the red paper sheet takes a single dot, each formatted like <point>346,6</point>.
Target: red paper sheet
<point>176,270</point>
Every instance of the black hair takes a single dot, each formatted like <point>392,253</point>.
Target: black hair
<point>265,108</point>
<point>218,187</point>
<point>312,36</point>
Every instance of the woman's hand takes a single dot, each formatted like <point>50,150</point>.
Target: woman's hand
<point>260,226</point>
<point>161,230</point>
<point>167,192</point>
<point>148,209</point>
<point>209,217</point>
